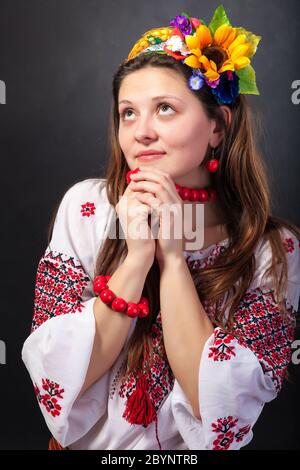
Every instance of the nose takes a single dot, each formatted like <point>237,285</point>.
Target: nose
<point>145,130</point>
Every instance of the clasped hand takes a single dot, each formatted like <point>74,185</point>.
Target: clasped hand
<point>157,189</point>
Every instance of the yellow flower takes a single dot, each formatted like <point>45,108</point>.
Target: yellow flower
<point>231,47</point>
<point>201,39</point>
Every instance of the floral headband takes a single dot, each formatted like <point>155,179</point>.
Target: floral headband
<point>219,54</point>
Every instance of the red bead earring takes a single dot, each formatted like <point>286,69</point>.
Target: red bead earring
<point>213,164</point>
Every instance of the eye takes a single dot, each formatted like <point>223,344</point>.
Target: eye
<point>123,113</point>
<point>160,105</point>
<point>166,105</point>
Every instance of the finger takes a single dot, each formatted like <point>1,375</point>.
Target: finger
<point>149,199</point>
<point>155,188</point>
<point>129,187</point>
<point>129,193</point>
<point>153,204</point>
<point>162,178</point>
<point>141,211</point>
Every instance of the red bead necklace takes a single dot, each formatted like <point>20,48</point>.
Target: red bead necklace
<point>187,194</point>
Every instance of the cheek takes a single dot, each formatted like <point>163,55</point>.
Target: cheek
<point>188,136</point>
<point>123,137</point>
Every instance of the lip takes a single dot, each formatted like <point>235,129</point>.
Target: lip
<point>149,152</point>
<point>150,157</point>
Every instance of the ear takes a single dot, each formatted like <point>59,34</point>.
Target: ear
<point>217,131</point>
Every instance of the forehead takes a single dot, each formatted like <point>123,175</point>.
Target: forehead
<point>150,83</point>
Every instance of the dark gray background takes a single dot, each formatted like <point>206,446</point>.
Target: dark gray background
<point>57,58</point>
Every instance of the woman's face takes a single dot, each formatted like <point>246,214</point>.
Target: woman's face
<point>175,124</point>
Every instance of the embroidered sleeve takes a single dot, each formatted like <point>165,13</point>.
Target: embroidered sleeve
<point>58,349</point>
<point>240,372</point>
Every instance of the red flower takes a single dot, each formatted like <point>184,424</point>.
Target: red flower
<point>252,331</point>
<point>289,245</point>
<point>88,209</point>
<point>258,309</point>
<point>223,441</point>
<point>51,405</point>
<point>50,399</point>
<point>241,433</point>
<point>222,349</point>
<point>227,433</point>
<point>243,315</point>
<point>224,424</point>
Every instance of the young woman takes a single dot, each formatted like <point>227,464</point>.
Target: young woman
<point>146,342</point>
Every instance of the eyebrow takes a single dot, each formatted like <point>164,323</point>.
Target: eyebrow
<point>154,99</point>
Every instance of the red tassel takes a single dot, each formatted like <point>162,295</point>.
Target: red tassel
<point>139,408</point>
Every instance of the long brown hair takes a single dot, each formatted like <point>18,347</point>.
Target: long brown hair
<point>244,197</point>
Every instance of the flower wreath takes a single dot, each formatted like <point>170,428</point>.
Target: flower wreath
<point>219,53</point>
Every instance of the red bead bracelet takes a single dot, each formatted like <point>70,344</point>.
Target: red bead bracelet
<point>118,304</point>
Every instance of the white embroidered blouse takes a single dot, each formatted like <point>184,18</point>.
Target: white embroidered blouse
<point>238,373</point>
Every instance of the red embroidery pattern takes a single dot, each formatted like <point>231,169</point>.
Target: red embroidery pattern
<point>158,373</point>
<point>258,324</point>
<point>262,328</point>
<point>50,399</point>
<point>289,245</point>
<point>226,427</point>
<point>60,281</point>
<point>88,209</point>
<point>196,263</point>
<point>222,348</point>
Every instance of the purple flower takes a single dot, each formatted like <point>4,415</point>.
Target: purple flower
<point>229,75</point>
<point>228,89</point>
<point>182,23</point>
<point>196,81</point>
<point>212,84</point>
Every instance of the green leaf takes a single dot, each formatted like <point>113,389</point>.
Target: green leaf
<point>251,38</point>
<point>247,82</point>
<point>155,52</point>
<point>154,40</point>
<point>186,15</point>
<point>220,17</point>
<point>203,22</point>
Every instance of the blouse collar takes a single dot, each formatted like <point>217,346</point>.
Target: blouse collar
<point>205,256</point>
